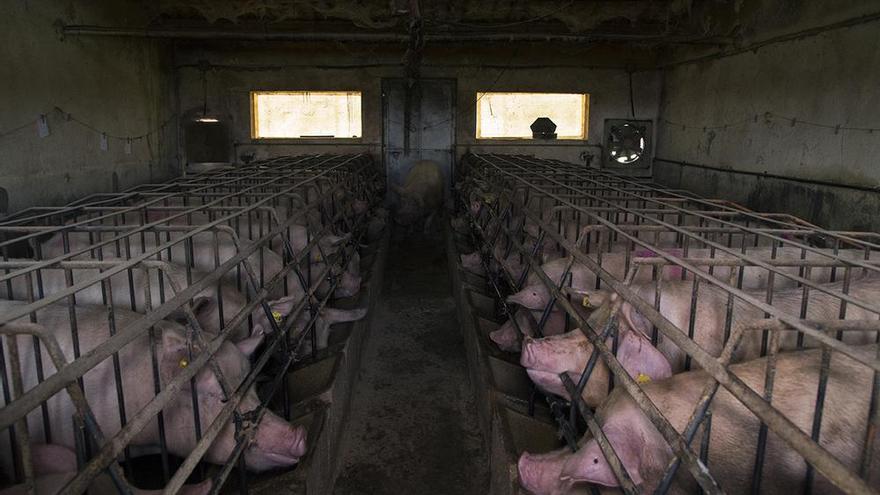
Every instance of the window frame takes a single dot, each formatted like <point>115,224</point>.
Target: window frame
<point>585,124</point>
<point>254,127</point>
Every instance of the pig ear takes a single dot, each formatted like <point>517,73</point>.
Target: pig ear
<point>205,308</point>
<point>202,306</point>
<point>280,309</point>
<point>594,299</point>
<point>285,305</point>
<point>336,240</point>
<point>250,344</point>
<point>641,360</point>
<point>174,352</point>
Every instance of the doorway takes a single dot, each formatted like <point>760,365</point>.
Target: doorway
<point>430,133</point>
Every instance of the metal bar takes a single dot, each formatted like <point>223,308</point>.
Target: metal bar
<point>75,369</point>
<point>548,178</point>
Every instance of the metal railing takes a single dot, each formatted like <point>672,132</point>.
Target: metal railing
<point>522,206</point>
<point>153,240</point>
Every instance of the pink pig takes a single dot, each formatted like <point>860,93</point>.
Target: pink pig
<point>276,443</point>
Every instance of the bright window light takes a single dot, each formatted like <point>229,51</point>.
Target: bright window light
<point>509,115</point>
<point>305,114</point>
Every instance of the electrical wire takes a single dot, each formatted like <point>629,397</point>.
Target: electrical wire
<point>484,93</point>
<point>70,117</point>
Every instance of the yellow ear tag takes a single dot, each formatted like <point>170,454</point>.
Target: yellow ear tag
<point>277,316</point>
<point>183,363</point>
<point>586,302</point>
<point>643,378</point>
<point>317,258</point>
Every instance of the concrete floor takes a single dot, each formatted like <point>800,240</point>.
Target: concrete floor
<point>413,425</point>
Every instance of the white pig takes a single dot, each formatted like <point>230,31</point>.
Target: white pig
<point>276,443</point>
<point>55,465</point>
<point>535,295</point>
<point>734,431</point>
<point>421,195</point>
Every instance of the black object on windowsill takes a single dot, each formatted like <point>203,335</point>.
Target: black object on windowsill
<point>543,128</point>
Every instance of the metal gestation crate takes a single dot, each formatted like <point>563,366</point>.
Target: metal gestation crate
<point>145,234</point>
<point>589,213</point>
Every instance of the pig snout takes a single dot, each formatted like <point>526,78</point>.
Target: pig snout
<point>360,206</point>
<point>471,262</point>
<point>277,445</point>
<point>529,298</point>
<point>557,353</point>
<point>349,285</point>
<point>539,474</point>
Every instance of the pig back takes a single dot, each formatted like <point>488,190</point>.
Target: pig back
<point>425,180</point>
<point>734,429</point>
<point>99,382</point>
<point>711,314</point>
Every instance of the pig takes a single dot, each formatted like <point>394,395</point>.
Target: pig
<point>360,206</point>
<point>675,304</point>
<point>472,262</point>
<point>511,264</point>
<point>329,243</point>
<point>734,432</point>
<point>376,224</point>
<point>508,338</point>
<point>349,279</point>
<point>55,465</point>
<point>353,268</point>
<point>545,359</point>
<point>460,225</point>
<point>205,304</point>
<point>421,195</point>
<point>535,295</point>
<point>275,445</point>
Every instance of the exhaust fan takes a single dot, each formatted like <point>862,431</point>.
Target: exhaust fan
<point>629,146</point>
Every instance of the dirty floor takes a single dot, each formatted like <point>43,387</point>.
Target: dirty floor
<point>413,425</point>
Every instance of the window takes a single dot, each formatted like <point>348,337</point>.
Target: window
<point>305,114</point>
<point>509,115</point>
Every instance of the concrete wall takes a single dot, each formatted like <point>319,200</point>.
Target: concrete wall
<point>829,78</point>
<point>233,71</point>
<point>118,86</point>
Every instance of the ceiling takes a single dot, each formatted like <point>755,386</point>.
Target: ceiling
<point>656,21</point>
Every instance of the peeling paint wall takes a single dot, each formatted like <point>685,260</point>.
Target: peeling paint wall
<point>119,86</point>
<point>234,71</point>
<point>737,115</point>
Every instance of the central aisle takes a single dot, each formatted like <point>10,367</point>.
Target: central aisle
<point>413,426</point>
